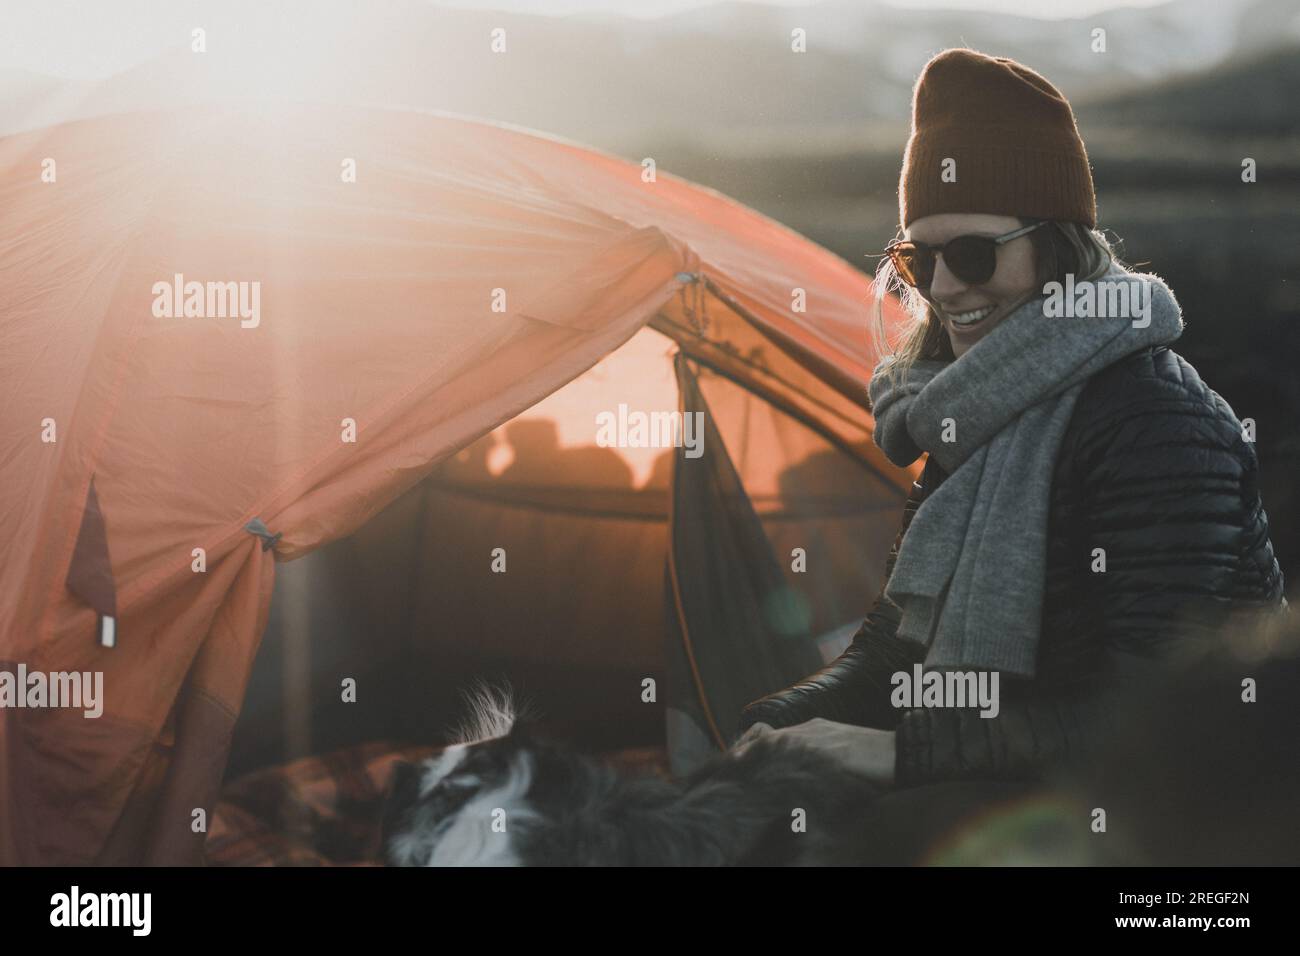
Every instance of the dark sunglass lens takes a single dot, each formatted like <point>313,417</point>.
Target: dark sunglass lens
<point>972,259</point>
<point>916,266</point>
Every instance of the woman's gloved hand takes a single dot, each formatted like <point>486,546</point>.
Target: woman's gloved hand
<point>852,689</point>
<point>837,692</point>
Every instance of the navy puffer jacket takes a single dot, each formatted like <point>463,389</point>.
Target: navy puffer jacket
<point>1153,469</point>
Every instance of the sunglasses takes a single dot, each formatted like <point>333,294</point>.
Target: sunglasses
<point>972,259</point>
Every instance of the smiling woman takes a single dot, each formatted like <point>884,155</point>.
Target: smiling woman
<point>1088,517</point>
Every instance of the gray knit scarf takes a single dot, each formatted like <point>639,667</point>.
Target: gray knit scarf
<point>970,574</point>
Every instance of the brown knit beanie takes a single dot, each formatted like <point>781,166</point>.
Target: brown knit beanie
<point>1012,137</point>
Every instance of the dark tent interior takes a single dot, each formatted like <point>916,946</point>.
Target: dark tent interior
<point>415,606</point>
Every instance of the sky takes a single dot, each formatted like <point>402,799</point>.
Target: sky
<point>1045,9</point>
<point>91,40</point>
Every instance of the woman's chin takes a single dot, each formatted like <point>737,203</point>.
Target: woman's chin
<point>962,339</point>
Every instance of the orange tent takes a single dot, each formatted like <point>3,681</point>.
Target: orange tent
<point>230,337</point>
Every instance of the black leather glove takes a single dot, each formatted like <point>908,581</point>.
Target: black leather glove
<point>852,689</point>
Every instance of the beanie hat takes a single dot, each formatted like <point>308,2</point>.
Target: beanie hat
<point>1010,135</point>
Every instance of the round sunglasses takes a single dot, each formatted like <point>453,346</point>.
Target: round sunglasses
<point>972,259</point>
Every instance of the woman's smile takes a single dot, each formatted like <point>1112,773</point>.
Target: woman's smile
<point>965,322</point>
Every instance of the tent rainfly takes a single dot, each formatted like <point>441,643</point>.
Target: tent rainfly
<point>228,338</point>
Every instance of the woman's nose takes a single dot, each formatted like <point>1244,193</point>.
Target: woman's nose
<point>945,287</point>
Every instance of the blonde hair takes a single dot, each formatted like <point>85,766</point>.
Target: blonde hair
<point>1061,248</point>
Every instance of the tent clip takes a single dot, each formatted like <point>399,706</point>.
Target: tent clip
<point>693,303</point>
<point>259,528</point>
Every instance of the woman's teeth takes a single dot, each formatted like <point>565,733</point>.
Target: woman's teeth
<point>970,318</point>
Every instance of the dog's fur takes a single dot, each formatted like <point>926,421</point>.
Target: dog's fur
<point>501,796</point>
<point>1197,777</point>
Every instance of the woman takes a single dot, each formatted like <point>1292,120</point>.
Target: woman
<point>1087,514</point>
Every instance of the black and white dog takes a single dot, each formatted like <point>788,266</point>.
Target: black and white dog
<point>503,797</point>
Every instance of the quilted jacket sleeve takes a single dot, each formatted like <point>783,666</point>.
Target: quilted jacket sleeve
<point>1165,486</point>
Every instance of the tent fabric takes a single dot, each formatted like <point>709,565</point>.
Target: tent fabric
<point>412,607</point>
<point>741,632</point>
<point>469,271</point>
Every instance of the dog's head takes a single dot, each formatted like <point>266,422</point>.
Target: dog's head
<point>467,804</point>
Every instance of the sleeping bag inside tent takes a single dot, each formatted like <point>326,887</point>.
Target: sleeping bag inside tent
<point>300,456</point>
